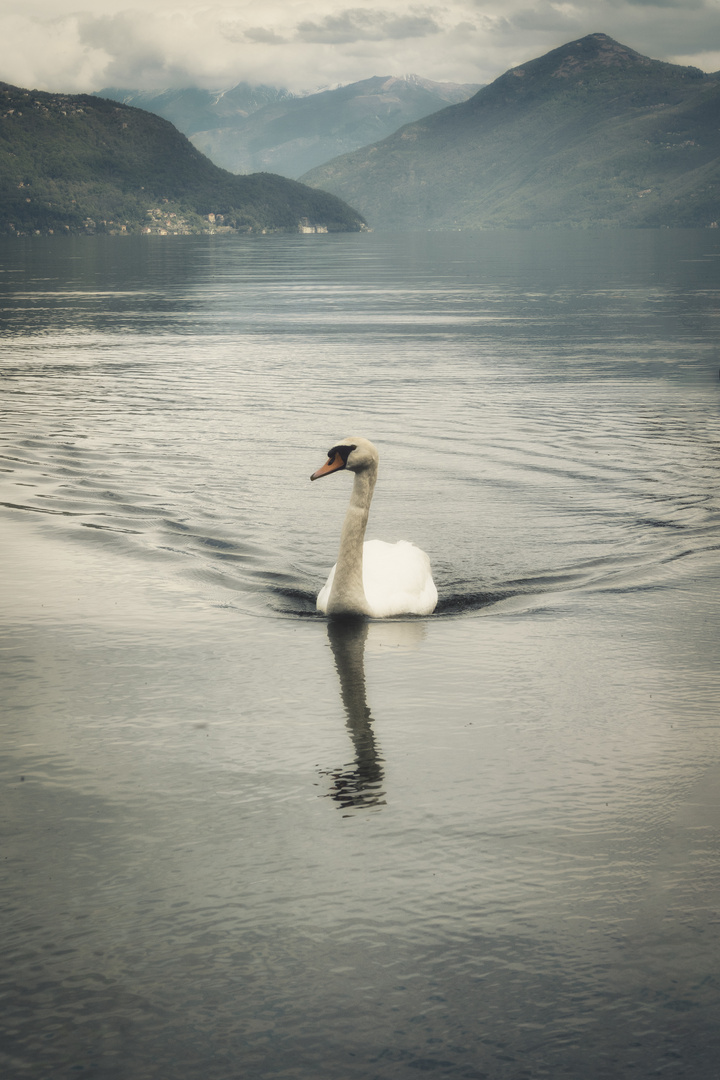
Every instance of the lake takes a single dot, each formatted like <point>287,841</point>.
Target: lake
<point>242,841</point>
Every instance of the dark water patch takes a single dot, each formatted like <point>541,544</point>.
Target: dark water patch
<point>40,509</point>
<point>109,528</point>
<point>289,600</point>
<point>469,601</point>
<point>658,523</point>
<point>691,551</point>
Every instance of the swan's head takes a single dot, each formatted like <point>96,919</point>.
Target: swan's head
<point>355,454</point>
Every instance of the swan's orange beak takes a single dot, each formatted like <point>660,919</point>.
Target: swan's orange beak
<point>331,465</point>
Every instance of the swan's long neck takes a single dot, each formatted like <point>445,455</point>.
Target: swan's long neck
<point>348,595</point>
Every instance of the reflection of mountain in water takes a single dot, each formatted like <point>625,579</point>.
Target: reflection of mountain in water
<point>359,783</point>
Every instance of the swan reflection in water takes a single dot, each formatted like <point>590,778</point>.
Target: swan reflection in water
<point>360,783</point>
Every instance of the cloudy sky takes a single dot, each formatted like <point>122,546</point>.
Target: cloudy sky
<point>76,45</point>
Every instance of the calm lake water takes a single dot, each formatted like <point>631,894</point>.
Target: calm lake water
<point>242,842</point>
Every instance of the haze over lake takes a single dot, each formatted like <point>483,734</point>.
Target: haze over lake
<point>241,841</point>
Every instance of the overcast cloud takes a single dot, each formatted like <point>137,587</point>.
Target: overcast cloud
<point>73,45</point>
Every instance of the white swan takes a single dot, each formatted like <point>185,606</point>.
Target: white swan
<point>375,579</point>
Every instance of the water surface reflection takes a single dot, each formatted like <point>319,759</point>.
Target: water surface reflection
<point>360,783</point>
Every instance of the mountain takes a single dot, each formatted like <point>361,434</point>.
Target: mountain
<point>79,163</point>
<point>593,133</point>
<point>193,109</point>
<point>257,128</point>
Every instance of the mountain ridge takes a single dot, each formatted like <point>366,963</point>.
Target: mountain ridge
<point>247,129</point>
<point>591,133</point>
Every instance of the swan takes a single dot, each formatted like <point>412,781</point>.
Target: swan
<point>373,579</point>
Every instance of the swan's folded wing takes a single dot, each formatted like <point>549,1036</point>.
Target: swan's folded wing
<point>397,579</point>
<point>324,594</point>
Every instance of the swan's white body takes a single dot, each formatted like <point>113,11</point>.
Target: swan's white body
<point>373,579</point>
<point>396,578</point>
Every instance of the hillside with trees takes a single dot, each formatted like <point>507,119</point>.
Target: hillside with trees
<point>79,163</point>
